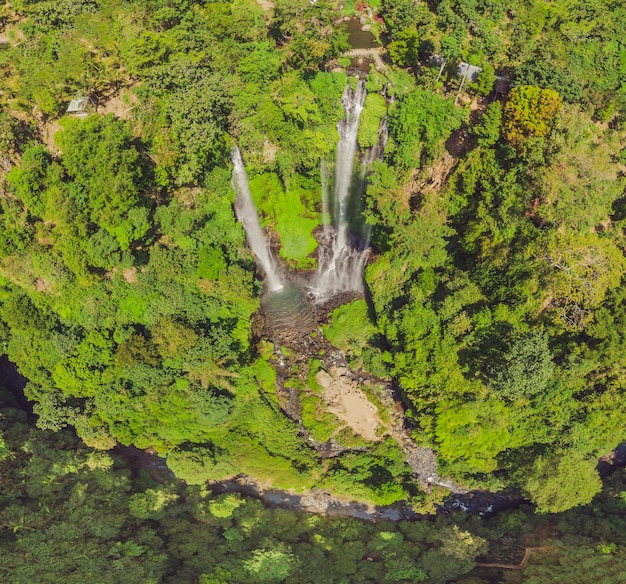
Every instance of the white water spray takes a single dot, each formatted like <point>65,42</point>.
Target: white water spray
<point>247,215</point>
<point>325,199</point>
<point>341,267</point>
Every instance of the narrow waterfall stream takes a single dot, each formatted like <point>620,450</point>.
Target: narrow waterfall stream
<point>247,214</point>
<point>340,268</point>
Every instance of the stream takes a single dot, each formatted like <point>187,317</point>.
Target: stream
<point>478,502</point>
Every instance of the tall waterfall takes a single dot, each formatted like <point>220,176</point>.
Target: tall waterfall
<point>325,198</point>
<point>247,214</point>
<point>340,268</point>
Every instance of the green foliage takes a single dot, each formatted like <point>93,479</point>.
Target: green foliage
<point>418,124</point>
<point>561,481</point>
<point>127,295</point>
<point>399,15</point>
<point>374,110</point>
<point>529,113</point>
<point>27,182</point>
<point>404,49</point>
<point>189,136</point>
<point>224,506</point>
<point>485,80</point>
<point>75,514</point>
<point>75,538</point>
<point>270,565</point>
<point>352,331</point>
<point>541,73</point>
<point>581,181</point>
<point>146,51</point>
<point>583,267</point>
<point>459,548</point>
<point>197,464</point>
<point>350,326</point>
<point>524,369</point>
<point>289,215</point>
<point>487,130</point>
<point>306,30</point>
<point>152,503</point>
<point>473,434</point>
<point>320,424</point>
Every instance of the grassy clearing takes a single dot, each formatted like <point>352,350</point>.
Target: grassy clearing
<point>321,424</point>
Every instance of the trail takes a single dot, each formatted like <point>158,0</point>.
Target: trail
<point>521,565</point>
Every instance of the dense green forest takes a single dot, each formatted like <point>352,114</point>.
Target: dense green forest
<point>493,300</point>
<point>76,514</point>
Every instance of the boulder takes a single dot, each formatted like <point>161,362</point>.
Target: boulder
<point>323,379</point>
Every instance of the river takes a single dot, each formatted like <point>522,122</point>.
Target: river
<point>478,502</point>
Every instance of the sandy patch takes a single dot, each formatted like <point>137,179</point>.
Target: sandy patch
<point>347,401</point>
<point>130,275</point>
<point>269,151</point>
<point>41,285</point>
<point>11,34</point>
<point>48,130</point>
<point>120,105</point>
<point>266,4</point>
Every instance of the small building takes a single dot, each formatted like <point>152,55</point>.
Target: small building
<point>467,71</point>
<point>79,107</point>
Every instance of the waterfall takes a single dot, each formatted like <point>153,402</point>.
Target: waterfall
<point>341,267</point>
<point>325,197</point>
<point>247,215</point>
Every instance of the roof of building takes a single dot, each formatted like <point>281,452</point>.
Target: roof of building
<point>78,105</point>
<point>471,71</point>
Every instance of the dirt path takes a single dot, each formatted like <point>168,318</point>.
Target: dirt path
<point>121,103</point>
<point>521,565</point>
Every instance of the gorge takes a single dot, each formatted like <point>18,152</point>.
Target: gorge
<point>356,335</point>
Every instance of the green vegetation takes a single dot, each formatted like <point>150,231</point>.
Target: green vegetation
<point>72,513</point>
<point>374,110</point>
<point>322,425</point>
<point>529,113</point>
<point>494,292</point>
<point>288,215</point>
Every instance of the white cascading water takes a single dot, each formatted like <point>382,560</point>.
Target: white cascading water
<point>341,267</point>
<point>247,215</point>
<point>325,198</point>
